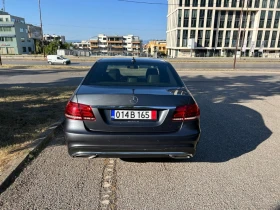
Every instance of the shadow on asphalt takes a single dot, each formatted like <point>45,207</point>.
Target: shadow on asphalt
<point>229,130</point>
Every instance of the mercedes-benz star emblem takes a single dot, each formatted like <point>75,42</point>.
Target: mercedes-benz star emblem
<point>134,100</point>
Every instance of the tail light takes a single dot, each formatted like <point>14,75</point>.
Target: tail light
<point>76,111</point>
<point>186,112</point>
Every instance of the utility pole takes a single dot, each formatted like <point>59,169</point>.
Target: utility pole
<point>4,6</point>
<point>39,1</point>
<point>238,37</point>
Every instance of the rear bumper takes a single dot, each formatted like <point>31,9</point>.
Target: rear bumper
<point>87,143</point>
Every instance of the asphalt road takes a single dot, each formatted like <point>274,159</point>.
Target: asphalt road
<point>183,65</point>
<point>236,167</point>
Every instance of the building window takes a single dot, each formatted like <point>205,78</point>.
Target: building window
<point>234,38</point>
<point>214,39</point>
<point>266,38</point>
<point>257,3</point>
<point>192,36</point>
<point>8,39</point>
<point>180,3</point>
<point>227,39</point>
<point>237,19</point>
<point>21,30</point>
<point>201,18</point>
<point>229,21</point>
<point>233,3</point>
<point>195,3</point>
<point>179,17</point>
<point>1,19</point>
<point>278,6</point>
<point>216,19</point>
<point>218,3</point>
<point>209,19</point>
<point>28,40</point>
<point>252,20</point>
<point>207,38</point>
<point>23,49</point>
<point>259,39</point>
<point>271,4</point>
<point>279,41</point>
<point>269,19</point>
<point>261,25</point>
<point>226,3</point>
<point>7,19</point>
<point>2,39</point>
<point>210,3</point>
<point>220,38</point>
<point>273,39</point>
<point>186,18</point>
<point>222,19</point>
<point>250,2</point>
<point>185,38</point>
<point>277,17</point>
<point>29,49</point>
<point>194,16</point>
<point>264,3</point>
<point>26,31</point>
<point>244,21</point>
<point>241,3</point>
<point>178,37</point>
<point>199,38</point>
<point>5,28</point>
<point>187,3</point>
<point>202,3</point>
<point>22,39</point>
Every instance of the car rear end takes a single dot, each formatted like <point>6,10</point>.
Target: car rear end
<point>134,111</point>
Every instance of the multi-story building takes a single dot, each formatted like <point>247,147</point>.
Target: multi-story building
<point>14,37</point>
<point>207,27</point>
<point>116,45</point>
<point>156,46</point>
<point>83,45</point>
<point>50,38</point>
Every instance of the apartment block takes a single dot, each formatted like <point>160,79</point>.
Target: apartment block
<point>50,38</point>
<point>156,46</point>
<point>14,35</point>
<point>116,45</point>
<point>211,27</point>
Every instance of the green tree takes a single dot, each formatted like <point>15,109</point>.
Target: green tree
<point>51,48</point>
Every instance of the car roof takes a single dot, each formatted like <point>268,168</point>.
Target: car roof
<point>129,59</point>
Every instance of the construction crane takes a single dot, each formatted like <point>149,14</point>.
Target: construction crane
<point>3,6</point>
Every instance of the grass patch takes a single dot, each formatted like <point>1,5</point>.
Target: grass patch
<point>25,113</point>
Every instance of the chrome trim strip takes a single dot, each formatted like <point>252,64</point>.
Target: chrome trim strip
<point>80,154</point>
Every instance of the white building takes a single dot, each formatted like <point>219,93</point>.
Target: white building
<point>84,45</point>
<point>49,38</point>
<point>116,45</point>
<point>207,27</point>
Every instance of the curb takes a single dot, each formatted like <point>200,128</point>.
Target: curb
<point>9,175</point>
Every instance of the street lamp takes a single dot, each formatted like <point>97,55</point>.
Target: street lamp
<point>39,2</point>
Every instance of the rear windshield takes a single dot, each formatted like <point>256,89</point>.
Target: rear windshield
<point>132,74</point>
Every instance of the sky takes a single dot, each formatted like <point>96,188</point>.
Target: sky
<point>83,19</point>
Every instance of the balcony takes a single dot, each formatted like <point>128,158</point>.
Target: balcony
<point>114,42</point>
<point>12,24</point>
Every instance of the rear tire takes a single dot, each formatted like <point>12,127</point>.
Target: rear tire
<point>64,63</point>
<point>50,62</point>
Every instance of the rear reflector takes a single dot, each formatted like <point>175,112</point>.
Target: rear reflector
<point>76,111</point>
<point>186,112</point>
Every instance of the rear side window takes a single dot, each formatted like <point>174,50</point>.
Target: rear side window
<point>132,74</point>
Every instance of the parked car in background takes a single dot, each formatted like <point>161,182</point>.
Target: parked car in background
<point>58,59</point>
<point>132,108</point>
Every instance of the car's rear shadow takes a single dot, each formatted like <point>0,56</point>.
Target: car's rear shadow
<point>229,127</point>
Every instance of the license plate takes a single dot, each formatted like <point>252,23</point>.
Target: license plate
<point>133,115</point>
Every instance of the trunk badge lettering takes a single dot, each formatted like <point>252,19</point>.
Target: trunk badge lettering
<point>134,100</point>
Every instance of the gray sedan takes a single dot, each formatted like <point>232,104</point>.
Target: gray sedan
<point>129,107</point>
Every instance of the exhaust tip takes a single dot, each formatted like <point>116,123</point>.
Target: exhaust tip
<point>92,156</point>
<point>187,156</point>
